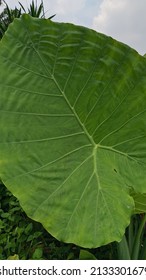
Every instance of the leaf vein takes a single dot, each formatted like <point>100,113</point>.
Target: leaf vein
<point>49,163</point>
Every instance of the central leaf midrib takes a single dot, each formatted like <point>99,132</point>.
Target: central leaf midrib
<point>95,166</point>
<point>74,112</point>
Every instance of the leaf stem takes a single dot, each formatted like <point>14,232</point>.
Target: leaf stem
<point>137,241</point>
<point>131,235</point>
<point>123,249</point>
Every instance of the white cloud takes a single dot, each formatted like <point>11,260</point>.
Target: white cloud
<point>124,20</point>
<point>67,10</point>
<point>65,7</point>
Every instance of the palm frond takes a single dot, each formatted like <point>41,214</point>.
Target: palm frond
<point>22,7</point>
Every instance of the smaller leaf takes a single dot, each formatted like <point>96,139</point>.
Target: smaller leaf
<point>71,256</point>
<point>86,255</point>
<point>9,13</point>
<point>39,11</point>
<point>140,202</point>
<point>14,257</point>
<point>5,215</point>
<point>28,228</point>
<point>38,253</point>
<point>22,7</point>
<point>37,234</point>
<point>52,16</point>
<point>30,238</point>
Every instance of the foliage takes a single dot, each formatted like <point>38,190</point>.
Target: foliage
<point>76,152</point>
<point>8,15</point>
<point>133,243</point>
<point>22,238</point>
<point>35,11</point>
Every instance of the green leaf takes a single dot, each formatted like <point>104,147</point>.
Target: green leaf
<point>22,7</point>
<point>29,228</point>
<point>140,202</point>
<point>85,255</point>
<point>14,257</point>
<point>38,253</point>
<point>73,128</point>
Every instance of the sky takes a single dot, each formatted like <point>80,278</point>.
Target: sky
<point>123,20</point>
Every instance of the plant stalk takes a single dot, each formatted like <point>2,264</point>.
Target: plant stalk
<point>137,241</point>
<point>123,249</point>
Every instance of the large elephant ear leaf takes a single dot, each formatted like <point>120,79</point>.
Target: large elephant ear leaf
<point>73,128</point>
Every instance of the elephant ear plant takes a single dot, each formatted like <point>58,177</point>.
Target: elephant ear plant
<point>73,128</point>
